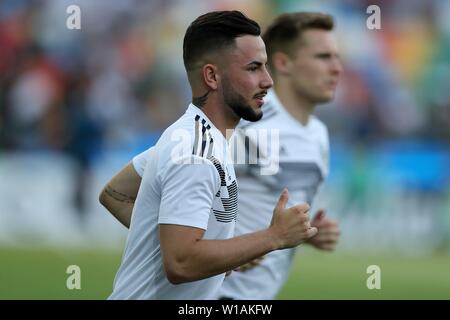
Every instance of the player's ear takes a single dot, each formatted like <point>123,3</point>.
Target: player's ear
<point>210,76</point>
<point>281,63</point>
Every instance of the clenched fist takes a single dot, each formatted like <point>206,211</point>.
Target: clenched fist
<point>328,232</point>
<point>290,227</point>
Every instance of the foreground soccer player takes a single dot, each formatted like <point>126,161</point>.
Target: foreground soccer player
<point>180,241</point>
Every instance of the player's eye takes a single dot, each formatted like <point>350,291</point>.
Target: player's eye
<point>324,56</point>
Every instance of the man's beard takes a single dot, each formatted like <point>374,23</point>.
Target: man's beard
<point>238,104</point>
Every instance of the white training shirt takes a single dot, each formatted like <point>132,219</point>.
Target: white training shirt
<point>303,165</point>
<point>188,180</point>
<point>303,153</point>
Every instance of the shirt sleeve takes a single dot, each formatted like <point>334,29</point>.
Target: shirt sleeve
<point>140,161</point>
<point>189,186</point>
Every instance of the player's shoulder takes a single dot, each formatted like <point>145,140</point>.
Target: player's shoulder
<point>184,125</point>
<point>192,135</point>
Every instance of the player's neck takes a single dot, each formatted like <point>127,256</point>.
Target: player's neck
<point>220,117</point>
<point>297,106</point>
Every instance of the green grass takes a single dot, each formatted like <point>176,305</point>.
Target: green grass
<point>319,275</point>
<point>41,274</point>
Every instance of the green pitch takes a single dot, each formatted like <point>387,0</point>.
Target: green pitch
<point>319,275</point>
<point>41,274</point>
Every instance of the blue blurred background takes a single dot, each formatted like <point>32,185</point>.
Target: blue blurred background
<point>76,105</point>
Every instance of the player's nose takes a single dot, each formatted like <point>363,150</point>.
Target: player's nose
<point>337,66</point>
<point>266,81</point>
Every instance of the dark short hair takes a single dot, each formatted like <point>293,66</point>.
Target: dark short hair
<point>281,34</point>
<point>214,31</point>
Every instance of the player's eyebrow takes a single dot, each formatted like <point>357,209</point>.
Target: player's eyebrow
<point>323,54</point>
<point>257,63</point>
<point>327,54</point>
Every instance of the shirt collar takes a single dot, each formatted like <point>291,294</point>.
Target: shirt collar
<point>272,100</point>
<point>275,103</point>
<point>194,110</point>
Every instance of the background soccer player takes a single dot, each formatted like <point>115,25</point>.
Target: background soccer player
<point>186,207</point>
<point>303,58</point>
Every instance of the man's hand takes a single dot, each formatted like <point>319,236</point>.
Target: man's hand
<point>328,232</point>
<point>291,226</point>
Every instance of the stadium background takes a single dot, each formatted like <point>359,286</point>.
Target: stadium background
<point>76,105</point>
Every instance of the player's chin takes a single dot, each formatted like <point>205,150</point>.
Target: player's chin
<point>255,114</point>
<point>331,92</point>
<point>327,96</point>
<point>256,107</point>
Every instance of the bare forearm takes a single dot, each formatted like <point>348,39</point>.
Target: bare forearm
<point>120,192</point>
<point>218,256</point>
<point>212,257</point>
<point>187,256</point>
<point>119,205</point>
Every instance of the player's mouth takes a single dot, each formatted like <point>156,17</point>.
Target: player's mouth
<point>260,98</point>
<point>332,84</point>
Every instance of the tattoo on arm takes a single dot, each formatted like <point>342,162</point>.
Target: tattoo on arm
<point>199,102</point>
<point>118,195</point>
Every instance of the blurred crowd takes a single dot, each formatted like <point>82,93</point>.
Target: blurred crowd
<point>119,80</point>
<point>121,75</point>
